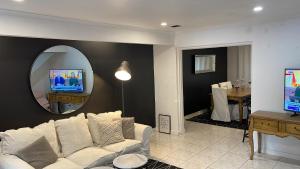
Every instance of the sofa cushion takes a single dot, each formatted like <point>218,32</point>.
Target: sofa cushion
<point>127,127</point>
<point>73,134</point>
<point>126,146</point>
<point>48,130</point>
<point>109,132</point>
<point>93,125</point>
<point>115,114</point>
<point>91,157</point>
<point>63,163</point>
<point>94,118</point>
<point>13,141</point>
<point>39,154</point>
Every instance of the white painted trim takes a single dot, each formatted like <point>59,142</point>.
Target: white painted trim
<point>282,154</point>
<point>193,115</point>
<point>22,24</point>
<point>180,98</point>
<point>180,76</point>
<point>79,21</point>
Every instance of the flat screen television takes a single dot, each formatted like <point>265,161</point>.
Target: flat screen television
<point>292,90</point>
<point>66,80</point>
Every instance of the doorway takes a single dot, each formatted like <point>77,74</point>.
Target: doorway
<point>233,63</point>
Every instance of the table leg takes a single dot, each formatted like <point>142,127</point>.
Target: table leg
<point>251,139</point>
<point>259,142</point>
<point>241,110</point>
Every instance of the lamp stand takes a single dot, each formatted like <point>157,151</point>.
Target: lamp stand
<point>123,107</point>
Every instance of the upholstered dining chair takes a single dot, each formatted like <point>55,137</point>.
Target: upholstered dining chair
<point>226,85</point>
<point>221,109</point>
<point>215,86</point>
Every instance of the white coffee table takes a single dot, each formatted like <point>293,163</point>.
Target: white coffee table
<point>128,161</point>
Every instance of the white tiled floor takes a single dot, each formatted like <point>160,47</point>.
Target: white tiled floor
<point>206,146</point>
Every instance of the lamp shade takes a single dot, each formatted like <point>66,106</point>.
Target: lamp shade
<point>123,72</point>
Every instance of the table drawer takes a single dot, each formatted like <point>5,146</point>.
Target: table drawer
<point>293,128</point>
<point>269,125</point>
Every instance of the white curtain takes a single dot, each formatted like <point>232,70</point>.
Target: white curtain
<point>239,63</point>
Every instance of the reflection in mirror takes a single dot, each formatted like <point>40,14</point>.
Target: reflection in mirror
<point>61,79</point>
<point>205,63</point>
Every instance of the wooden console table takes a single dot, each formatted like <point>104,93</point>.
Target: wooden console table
<point>74,98</point>
<point>271,123</point>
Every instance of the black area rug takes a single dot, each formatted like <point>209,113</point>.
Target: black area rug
<point>205,118</point>
<point>154,164</point>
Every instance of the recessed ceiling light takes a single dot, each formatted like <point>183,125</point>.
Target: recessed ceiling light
<point>164,24</point>
<point>258,9</point>
<point>19,0</point>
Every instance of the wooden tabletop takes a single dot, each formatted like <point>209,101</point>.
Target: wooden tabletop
<point>276,116</point>
<point>239,92</point>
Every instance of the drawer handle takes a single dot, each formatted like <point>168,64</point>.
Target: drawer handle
<point>297,129</point>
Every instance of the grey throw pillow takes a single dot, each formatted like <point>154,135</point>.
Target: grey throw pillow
<point>110,132</point>
<point>127,127</point>
<point>39,154</point>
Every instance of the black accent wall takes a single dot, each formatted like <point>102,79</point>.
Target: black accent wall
<point>196,87</point>
<point>18,107</point>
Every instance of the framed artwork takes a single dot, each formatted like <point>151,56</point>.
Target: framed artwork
<point>164,123</point>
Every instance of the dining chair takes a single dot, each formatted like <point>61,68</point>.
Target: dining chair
<point>226,85</point>
<point>215,86</point>
<point>246,127</point>
<point>221,109</point>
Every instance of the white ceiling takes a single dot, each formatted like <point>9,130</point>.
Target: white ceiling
<point>149,13</point>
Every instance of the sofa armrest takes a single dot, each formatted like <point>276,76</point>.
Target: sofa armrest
<point>13,162</point>
<point>143,134</point>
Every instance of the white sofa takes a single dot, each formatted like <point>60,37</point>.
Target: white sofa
<point>87,157</point>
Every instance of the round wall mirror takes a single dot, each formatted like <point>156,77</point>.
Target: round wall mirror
<point>61,79</point>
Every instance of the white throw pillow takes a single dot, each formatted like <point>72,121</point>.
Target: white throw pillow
<point>93,125</point>
<point>114,115</point>
<point>73,134</point>
<point>48,130</point>
<point>16,140</point>
<point>93,122</point>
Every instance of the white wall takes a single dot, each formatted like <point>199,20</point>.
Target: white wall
<point>30,25</point>
<point>165,77</point>
<point>275,46</point>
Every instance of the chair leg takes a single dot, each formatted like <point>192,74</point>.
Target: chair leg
<point>247,123</point>
<point>245,135</point>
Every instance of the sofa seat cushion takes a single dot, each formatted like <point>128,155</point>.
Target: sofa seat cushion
<point>63,163</point>
<point>91,157</point>
<point>127,146</point>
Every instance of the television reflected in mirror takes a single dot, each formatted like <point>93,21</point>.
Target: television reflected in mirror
<point>205,63</point>
<point>61,79</point>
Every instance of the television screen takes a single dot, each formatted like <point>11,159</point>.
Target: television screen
<point>292,90</point>
<point>66,80</point>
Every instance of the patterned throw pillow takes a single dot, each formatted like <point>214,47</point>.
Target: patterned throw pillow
<point>110,132</point>
<point>127,127</point>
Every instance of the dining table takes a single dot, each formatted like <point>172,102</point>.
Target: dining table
<point>239,95</point>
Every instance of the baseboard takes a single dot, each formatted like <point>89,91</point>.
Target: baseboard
<point>195,114</point>
<point>173,132</point>
<point>282,154</point>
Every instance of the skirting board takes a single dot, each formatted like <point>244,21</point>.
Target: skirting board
<point>173,132</point>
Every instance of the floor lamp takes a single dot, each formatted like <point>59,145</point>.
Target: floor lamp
<point>123,73</point>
